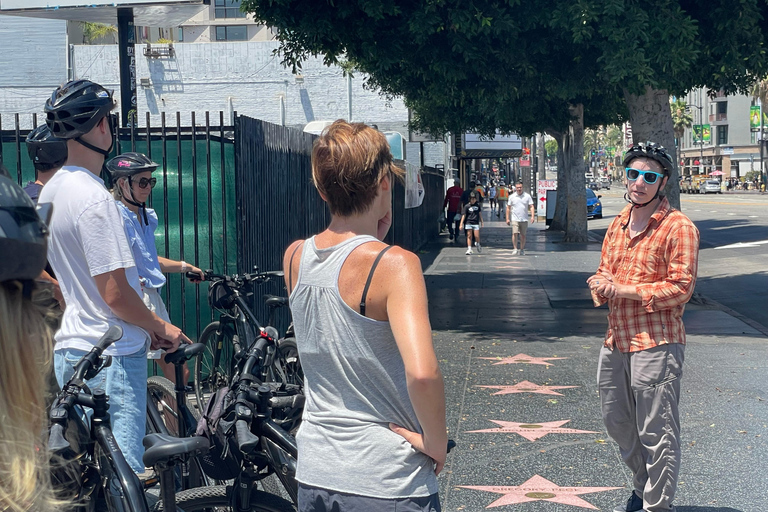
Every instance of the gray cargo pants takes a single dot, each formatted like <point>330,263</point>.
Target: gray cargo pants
<point>639,395</point>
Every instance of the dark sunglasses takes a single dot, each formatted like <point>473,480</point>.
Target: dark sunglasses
<point>650,177</point>
<point>143,182</point>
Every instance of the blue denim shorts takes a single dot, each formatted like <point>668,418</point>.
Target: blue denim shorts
<point>315,499</point>
<point>125,383</point>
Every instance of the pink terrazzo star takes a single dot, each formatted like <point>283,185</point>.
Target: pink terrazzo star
<point>539,488</point>
<point>533,431</point>
<point>528,387</point>
<point>522,358</point>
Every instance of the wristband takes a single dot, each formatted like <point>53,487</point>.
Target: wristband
<point>183,266</point>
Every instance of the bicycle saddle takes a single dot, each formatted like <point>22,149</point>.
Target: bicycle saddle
<point>184,353</point>
<point>164,448</point>
<point>274,301</point>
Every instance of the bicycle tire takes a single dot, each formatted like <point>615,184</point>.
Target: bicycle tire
<point>288,359</point>
<point>163,393</point>
<point>217,498</point>
<point>207,379</point>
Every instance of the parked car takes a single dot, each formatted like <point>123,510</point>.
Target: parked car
<point>708,186</point>
<point>594,206</point>
<point>686,185</point>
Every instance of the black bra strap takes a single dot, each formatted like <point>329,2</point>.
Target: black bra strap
<point>370,278</point>
<point>290,267</point>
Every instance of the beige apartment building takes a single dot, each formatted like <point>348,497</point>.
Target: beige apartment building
<point>732,148</point>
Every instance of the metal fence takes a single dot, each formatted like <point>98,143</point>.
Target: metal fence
<point>233,197</point>
<point>194,199</point>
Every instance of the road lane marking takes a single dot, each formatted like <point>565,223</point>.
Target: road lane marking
<point>741,245</point>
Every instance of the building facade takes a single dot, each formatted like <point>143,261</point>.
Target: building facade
<point>729,146</point>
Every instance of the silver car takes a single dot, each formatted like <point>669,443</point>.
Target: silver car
<point>708,186</point>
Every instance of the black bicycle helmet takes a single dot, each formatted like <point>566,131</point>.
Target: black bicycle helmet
<point>654,152</point>
<point>129,164</point>
<point>22,234</point>
<point>75,108</point>
<point>46,151</point>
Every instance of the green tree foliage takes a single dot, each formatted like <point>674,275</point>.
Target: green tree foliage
<point>92,32</point>
<point>681,117</point>
<point>530,67</point>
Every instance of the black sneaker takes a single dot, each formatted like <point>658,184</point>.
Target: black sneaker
<point>634,504</point>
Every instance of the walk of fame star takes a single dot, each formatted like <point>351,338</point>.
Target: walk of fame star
<point>522,358</point>
<point>528,387</point>
<point>533,431</point>
<point>539,488</point>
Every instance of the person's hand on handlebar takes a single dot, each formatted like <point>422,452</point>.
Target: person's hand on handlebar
<point>194,274</point>
<point>168,338</point>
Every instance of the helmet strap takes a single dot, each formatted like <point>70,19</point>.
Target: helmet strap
<point>142,206</point>
<point>90,146</point>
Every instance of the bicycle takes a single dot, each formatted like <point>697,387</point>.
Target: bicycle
<point>168,413</point>
<point>87,466</point>
<point>236,330</point>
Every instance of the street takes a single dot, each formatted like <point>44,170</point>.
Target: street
<point>733,259</point>
<point>518,341</point>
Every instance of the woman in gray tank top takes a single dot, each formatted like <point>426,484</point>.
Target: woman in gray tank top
<point>373,434</point>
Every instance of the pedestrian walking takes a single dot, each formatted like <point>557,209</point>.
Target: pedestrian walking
<point>519,205</point>
<point>132,183</point>
<point>492,198</point>
<point>472,219</point>
<point>373,435</point>
<point>92,259</point>
<point>647,274</point>
<point>502,196</point>
<point>453,203</point>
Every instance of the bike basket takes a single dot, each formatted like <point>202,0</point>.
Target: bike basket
<point>221,296</point>
<point>217,425</point>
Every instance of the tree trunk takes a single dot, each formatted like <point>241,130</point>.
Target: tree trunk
<point>542,157</point>
<point>559,217</point>
<point>651,119</point>
<point>573,151</point>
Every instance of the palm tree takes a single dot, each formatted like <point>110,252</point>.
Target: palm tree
<point>681,119</point>
<point>760,92</point>
<point>95,31</point>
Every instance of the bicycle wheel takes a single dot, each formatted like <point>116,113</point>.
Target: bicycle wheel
<point>213,367</point>
<point>162,396</point>
<point>288,359</point>
<point>217,498</point>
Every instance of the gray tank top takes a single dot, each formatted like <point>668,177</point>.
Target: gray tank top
<point>355,386</point>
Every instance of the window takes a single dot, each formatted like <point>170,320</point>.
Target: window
<point>722,135</point>
<point>233,33</point>
<point>722,107</point>
<point>181,34</point>
<point>228,9</point>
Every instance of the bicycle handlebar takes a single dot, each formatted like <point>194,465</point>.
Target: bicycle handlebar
<point>246,441</point>
<point>90,360</point>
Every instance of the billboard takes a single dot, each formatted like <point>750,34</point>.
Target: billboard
<point>702,132</point>
<point>754,118</point>
<point>62,4</point>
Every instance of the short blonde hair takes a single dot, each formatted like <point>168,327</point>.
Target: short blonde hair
<point>349,160</point>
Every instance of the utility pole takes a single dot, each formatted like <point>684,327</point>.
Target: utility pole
<point>760,140</point>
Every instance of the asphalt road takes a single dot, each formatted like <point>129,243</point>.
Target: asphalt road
<point>733,259</point>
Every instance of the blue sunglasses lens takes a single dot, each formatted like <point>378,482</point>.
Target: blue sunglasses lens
<point>649,176</point>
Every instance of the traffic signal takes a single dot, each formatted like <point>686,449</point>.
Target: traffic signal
<point>593,153</point>
<point>526,151</point>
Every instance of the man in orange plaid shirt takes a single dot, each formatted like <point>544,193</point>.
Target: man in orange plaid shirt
<point>647,274</point>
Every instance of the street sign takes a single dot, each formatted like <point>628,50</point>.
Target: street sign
<point>543,186</point>
<point>726,151</point>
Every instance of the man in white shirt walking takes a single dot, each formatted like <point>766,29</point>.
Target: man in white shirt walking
<point>90,254</point>
<point>518,206</point>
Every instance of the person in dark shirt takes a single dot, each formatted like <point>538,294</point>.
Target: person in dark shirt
<point>48,154</point>
<point>453,203</point>
<point>472,219</point>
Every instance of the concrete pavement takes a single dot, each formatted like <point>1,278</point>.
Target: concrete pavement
<point>523,445</point>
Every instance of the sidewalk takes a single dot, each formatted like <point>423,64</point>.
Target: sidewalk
<point>547,449</point>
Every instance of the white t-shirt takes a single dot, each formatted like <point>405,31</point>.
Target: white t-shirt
<point>519,206</point>
<point>88,239</point>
